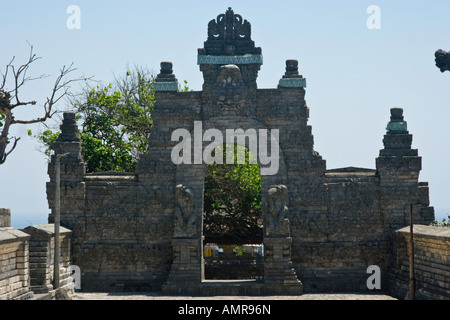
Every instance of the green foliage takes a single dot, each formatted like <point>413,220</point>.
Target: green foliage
<point>443,223</point>
<point>2,117</point>
<point>239,250</point>
<point>47,137</point>
<point>184,88</point>
<point>232,202</point>
<point>115,123</point>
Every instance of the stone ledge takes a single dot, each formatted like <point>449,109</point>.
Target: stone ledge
<point>10,234</point>
<point>439,233</point>
<point>235,287</point>
<point>46,229</point>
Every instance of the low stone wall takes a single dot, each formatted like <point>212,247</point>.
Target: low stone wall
<point>27,263</point>
<point>431,263</point>
<point>42,257</point>
<point>14,265</point>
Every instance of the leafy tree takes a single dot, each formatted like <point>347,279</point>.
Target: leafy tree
<point>232,202</point>
<point>443,223</point>
<point>115,122</point>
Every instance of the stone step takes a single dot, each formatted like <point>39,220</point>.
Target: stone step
<point>251,287</point>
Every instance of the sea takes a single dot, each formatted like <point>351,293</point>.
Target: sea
<point>20,221</point>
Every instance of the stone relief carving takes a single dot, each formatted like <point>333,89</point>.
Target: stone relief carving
<point>230,86</point>
<point>277,223</point>
<point>229,26</point>
<point>185,217</point>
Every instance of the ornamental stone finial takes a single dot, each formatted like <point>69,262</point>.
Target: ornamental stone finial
<point>397,124</point>
<point>291,78</point>
<point>229,35</point>
<point>69,128</point>
<point>292,69</point>
<point>165,80</point>
<point>442,60</point>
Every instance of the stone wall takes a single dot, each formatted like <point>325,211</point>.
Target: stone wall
<point>14,265</point>
<point>339,222</point>
<point>431,263</point>
<point>27,263</point>
<point>123,241</point>
<point>42,257</point>
<point>5,217</point>
<point>335,248</point>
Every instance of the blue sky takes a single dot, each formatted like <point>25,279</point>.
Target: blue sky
<point>354,74</point>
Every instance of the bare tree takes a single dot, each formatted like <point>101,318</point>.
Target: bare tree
<point>10,99</point>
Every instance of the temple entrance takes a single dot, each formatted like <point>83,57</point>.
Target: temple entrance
<point>232,219</point>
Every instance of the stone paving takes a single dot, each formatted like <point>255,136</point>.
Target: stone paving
<point>155,296</point>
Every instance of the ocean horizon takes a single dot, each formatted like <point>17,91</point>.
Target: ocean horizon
<point>23,220</point>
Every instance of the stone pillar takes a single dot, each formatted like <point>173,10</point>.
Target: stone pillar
<point>41,256</point>
<point>186,268</point>
<point>14,263</point>
<point>278,265</point>
<point>291,78</point>
<point>280,277</point>
<point>186,273</point>
<point>166,81</point>
<point>398,167</point>
<point>71,174</point>
<point>5,217</point>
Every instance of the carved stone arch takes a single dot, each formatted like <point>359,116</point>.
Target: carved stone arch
<point>193,175</point>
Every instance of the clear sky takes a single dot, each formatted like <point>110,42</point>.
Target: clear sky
<point>354,74</point>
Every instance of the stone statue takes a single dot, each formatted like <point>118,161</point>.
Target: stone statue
<point>230,87</point>
<point>277,223</point>
<point>442,60</point>
<point>185,217</point>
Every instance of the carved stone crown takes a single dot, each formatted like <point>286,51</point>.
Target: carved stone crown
<point>229,34</point>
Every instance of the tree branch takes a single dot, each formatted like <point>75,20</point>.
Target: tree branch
<point>60,90</point>
<point>19,78</point>
<point>6,154</point>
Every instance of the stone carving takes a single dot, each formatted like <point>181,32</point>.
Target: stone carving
<point>184,213</point>
<point>166,80</point>
<point>229,83</point>
<point>229,26</point>
<point>166,73</point>
<point>397,123</point>
<point>277,223</point>
<point>291,78</point>
<point>229,35</point>
<point>442,60</point>
<point>69,128</point>
<point>292,69</point>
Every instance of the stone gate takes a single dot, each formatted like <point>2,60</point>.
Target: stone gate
<point>322,228</point>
